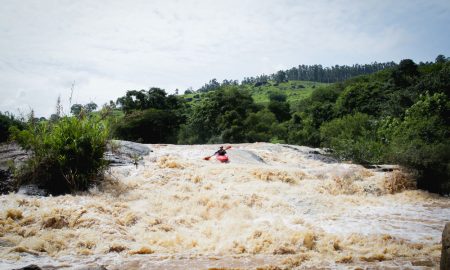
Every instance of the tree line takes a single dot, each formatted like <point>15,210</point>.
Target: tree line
<point>316,73</point>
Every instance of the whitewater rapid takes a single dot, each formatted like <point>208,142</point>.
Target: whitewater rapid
<point>272,205</point>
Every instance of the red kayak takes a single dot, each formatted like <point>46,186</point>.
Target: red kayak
<point>222,158</point>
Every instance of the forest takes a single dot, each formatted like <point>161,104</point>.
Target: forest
<point>399,114</point>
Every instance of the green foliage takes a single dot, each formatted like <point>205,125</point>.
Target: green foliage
<point>353,137</point>
<point>326,94</point>
<point>406,73</point>
<point>219,115</point>
<point>148,126</point>
<point>280,77</point>
<point>295,91</point>
<point>77,109</point>
<point>279,107</point>
<point>260,126</point>
<point>361,97</point>
<point>67,156</point>
<point>154,98</point>
<point>277,96</point>
<point>150,116</point>
<point>302,131</point>
<point>318,73</point>
<point>7,121</point>
<point>422,141</point>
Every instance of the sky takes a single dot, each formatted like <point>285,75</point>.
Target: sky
<point>101,49</point>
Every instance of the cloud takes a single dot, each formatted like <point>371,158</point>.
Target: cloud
<point>108,47</point>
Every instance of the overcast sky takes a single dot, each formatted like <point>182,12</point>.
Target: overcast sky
<point>108,47</point>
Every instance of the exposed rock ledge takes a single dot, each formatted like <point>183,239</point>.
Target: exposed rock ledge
<point>119,153</point>
<point>11,154</point>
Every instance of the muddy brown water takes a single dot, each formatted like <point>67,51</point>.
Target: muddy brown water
<point>271,206</point>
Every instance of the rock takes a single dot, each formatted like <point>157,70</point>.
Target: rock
<point>125,153</point>
<point>316,155</point>
<point>29,267</point>
<point>32,190</point>
<point>445,253</point>
<point>119,153</point>
<point>6,182</point>
<point>425,263</point>
<point>132,148</point>
<point>91,267</point>
<point>383,167</point>
<point>11,154</point>
<point>313,153</point>
<point>6,243</point>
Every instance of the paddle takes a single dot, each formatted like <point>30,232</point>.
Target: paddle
<point>207,158</point>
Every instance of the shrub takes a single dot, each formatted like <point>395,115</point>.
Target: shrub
<point>421,141</point>
<point>66,156</point>
<point>7,120</point>
<point>149,126</point>
<point>353,137</point>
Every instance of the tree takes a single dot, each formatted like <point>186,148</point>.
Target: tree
<point>361,97</point>
<point>352,137</point>
<point>90,107</point>
<point>7,121</point>
<point>405,73</point>
<point>277,96</point>
<point>280,77</point>
<point>441,59</point>
<point>54,118</point>
<point>76,109</point>
<point>259,126</point>
<point>149,126</point>
<point>155,98</point>
<point>422,141</point>
<point>217,112</point>
<point>133,100</point>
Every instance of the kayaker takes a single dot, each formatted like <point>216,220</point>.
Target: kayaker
<point>221,152</point>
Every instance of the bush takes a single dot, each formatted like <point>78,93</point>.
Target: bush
<point>421,141</point>
<point>149,126</point>
<point>66,156</point>
<point>6,121</point>
<point>353,137</point>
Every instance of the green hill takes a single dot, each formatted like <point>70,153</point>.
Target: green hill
<point>294,90</point>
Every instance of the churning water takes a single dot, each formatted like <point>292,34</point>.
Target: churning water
<point>271,206</point>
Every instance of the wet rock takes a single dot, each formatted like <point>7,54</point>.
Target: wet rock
<point>122,153</point>
<point>32,190</point>
<point>6,182</point>
<point>313,153</point>
<point>383,168</point>
<point>91,267</point>
<point>5,243</point>
<point>425,263</point>
<point>316,155</point>
<point>445,253</point>
<point>29,267</point>
<point>11,154</point>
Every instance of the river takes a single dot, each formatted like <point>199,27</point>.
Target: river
<point>270,206</point>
